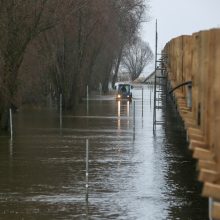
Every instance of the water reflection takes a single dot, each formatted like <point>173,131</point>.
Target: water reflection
<point>128,108</point>
<point>11,148</point>
<point>43,173</point>
<point>123,113</point>
<point>119,114</point>
<point>128,114</point>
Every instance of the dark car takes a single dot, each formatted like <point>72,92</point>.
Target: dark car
<point>124,92</point>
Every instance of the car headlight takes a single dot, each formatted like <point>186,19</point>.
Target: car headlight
<point>119,96</point>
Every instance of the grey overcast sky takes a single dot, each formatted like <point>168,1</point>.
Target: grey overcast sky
<point>179,17</point>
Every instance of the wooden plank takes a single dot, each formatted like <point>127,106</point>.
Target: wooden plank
<point>185,109</point>
<point>216,94</point>
<point>217,144</point>
<point>202,154</point>
<point>196,58</point>
<point>196,137</point>
<point>184,113</point>
<point>189,121</point>
<point>207,164</point>
<point>178,94</point>
<point>190,124</point>
<point>211,190</point>
<point>204,83</point>
<point>210,176</point>
<point>197,144</point>
<point>182,101</point>
<point>194,131</point>
<point>195,65</point>
<point>215,210</point>
<point>188,116</point>
<point>187,59</point>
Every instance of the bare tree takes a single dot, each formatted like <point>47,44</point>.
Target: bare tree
<point>136,58</point>
<point>79,42</point>
<point>131,13</point>
<point>21,21</point>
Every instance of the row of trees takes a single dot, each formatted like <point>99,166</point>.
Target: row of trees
<point>48,47</point>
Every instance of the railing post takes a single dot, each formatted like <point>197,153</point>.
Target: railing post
<point>11,124</point>
<point>142,101</point>
<point>87,169</point>
<point>61,110</point>
<point>87,99</point>
<point>134,121</point>
<point>100,89</point>
<point>210,208</point>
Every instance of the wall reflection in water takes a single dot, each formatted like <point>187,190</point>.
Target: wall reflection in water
<point>150,177</point>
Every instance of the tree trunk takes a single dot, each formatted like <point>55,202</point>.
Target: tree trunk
<point>7,93</point>
<point>106,80</point>
<point>4,119</point>
<point>115,76</point>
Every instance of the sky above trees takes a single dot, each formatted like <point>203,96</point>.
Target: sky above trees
<point>180,17</point>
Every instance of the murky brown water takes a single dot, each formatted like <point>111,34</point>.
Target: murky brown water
<point>131,175</point>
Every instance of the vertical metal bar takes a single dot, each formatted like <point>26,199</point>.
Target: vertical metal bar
<point>87,169</point>
<point>11,123</point>
<point>100,89</point>
<point>210,208</point>
<point>156,39</point>
<point>166,91</point>
<point>155,79</point>
<point>134,121</point>
<point>134,114</point>
<point>87,99</point>
<point>142,102</point>
<point>61,110</point>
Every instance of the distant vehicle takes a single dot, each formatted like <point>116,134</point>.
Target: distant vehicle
<point>124,91</point>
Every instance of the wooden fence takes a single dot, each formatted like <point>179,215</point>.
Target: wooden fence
<point>196,58</point>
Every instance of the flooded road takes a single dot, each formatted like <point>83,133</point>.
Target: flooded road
<point>133,174</point>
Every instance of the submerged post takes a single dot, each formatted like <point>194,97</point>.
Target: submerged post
<point>210,208</point>
<point>87,99</point>
<point>11,123</point>
<point>61,110</point>
<point>100,89</point>
<point>87,169</point>
<point>189,96</point>
<point>134,121</point>
<point>142,101</point>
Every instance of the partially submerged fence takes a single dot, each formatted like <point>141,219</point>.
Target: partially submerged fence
<point>196,59</point>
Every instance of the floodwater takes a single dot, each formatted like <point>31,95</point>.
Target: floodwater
<point>133,173</point>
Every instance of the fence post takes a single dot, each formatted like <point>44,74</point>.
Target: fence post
<point>87,99</point>
<point>210,208</point>
<point>100,89</point>
<point>11,123</point>
<point>61,110</point>
<point>87,169</point>
<point>134,121</point>
<point>142,101</point>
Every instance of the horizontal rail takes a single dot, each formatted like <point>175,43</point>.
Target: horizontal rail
<point>180,85</point>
